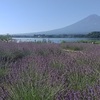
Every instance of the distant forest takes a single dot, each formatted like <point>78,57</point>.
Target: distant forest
<point>94,34</point>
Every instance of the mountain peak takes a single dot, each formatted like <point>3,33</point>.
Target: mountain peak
<point>93,16</point>
<point>88,24</point>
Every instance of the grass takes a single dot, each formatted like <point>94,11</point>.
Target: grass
<point>3,72</point>
<point>81,82</point>
<point>29,92</point>
<point>71,48</point>
<point>37,88</point>
<point>90,41</point>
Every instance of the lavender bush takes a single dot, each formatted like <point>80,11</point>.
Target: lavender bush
<point>49,71</point>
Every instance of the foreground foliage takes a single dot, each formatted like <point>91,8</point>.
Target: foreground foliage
<point>48,71</point>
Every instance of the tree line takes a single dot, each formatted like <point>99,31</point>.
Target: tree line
<point>94,34</point>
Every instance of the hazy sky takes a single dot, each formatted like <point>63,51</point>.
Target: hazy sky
<point>22,16</point>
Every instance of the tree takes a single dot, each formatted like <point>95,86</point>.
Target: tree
<point>94,34</point>
<point>5,38</point>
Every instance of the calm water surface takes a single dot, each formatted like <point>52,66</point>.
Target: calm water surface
<point>55,40</point>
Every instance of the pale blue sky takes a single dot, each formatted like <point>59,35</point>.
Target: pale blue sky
<point>22,16</point>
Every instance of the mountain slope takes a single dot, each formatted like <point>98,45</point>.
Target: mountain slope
<point>84,26</point>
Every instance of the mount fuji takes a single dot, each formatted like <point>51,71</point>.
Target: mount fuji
<point>84,26</point>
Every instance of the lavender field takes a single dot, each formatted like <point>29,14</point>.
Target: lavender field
<point>49,71</point>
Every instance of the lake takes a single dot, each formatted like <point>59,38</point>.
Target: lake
<point>55,40</point>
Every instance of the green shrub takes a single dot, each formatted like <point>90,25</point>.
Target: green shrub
<point>73,48</point>
<point>38,88</point>
<point>79,81</point>
<point>5,38</point>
